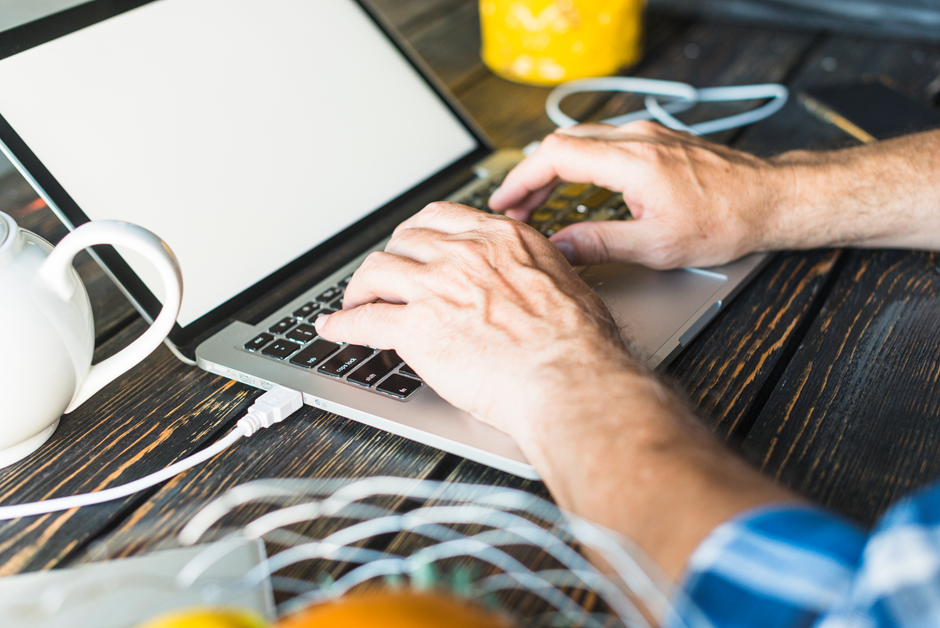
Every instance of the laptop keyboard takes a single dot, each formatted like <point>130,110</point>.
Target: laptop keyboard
<point>568,204</point>
<point>293,339</point>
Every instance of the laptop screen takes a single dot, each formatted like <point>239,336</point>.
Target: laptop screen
<point>242,132</point>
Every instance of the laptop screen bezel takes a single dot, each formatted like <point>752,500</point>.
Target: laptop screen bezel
<point>46,29</point>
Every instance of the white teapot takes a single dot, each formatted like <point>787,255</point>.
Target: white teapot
<point>47,333</point>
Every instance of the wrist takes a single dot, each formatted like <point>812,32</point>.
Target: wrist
<point>796,184</point>
<point>619,415</point>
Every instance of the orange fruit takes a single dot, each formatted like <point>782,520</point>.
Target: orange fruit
<point>396,609</point>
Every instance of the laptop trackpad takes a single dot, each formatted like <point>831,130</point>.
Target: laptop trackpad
<point>652,305</point>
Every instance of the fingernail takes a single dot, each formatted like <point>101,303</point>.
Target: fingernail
<point>321,321</point>
<point>567,249</point>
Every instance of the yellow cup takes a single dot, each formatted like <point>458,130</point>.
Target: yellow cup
<point>546,42</point>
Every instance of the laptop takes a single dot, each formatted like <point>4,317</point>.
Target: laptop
<point>273,144</point>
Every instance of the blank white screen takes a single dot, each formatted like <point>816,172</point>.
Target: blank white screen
<point>242,132</point>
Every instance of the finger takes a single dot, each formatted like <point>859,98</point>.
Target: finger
<point>384,277</point>
<point>523,212</point>
<point>566,158</point>
<point>378,325</point>
<point>419,244</point>
<point>602,242</point>
<point>588,129</point>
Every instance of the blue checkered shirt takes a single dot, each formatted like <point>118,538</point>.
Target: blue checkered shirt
<point>798,566</point>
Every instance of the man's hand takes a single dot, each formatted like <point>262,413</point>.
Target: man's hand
<point>695,203</point>
<point>485,309</point>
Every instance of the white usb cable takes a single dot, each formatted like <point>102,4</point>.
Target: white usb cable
<point>680,97</point>
<point>272,407</point>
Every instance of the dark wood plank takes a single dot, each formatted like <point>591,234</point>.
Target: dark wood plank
<point>855,420</point>
<point>451,47</point>
<point>111,308</point>
<point>409,17</point>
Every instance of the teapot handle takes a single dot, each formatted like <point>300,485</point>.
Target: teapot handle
<point>55,273</point>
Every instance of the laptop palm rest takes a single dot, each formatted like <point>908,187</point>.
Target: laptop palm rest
<point>650,306</point>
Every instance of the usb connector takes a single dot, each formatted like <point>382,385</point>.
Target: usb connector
<point>272,407</point>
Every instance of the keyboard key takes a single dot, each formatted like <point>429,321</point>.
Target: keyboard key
<point>542,215</point>
<point>280,349</point>
<point>283,326</point>
<point>337,304</point>
<point>407,370</point>
<point>345,361</point>
<point>399,386</point>
<point>574,216</point>
<point>330,294</point>
<point>557,204</point>
<point>595,199</point>
<point>314,353</point>
<point>614,212</point>
<point>323,312</point>
<point>258,342</point>
<point>305,310</point>
<point>345,281</point>
<point>303,334</point>
<point>573,190</point>
<point>478,201</point>
<point>375,369</point>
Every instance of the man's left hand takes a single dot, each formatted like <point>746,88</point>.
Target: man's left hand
<point>485,309</point>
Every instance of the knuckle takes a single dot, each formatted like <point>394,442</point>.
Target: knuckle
<point>665,255</point>
<point>643,127</point>
<point>509,228</point>
<point>470,250</point>
<point>442,207</point>
<point>649,152</point>
<point>374,260</point>
<point>555,141</point>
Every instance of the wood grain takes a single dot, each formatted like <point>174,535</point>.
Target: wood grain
<point>410,17</point>
<point>855,420</point>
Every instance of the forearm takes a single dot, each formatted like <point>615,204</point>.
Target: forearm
<point>885,195</point>
<point>631,457</point>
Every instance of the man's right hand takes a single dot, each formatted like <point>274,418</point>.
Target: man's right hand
<point>695,203</point>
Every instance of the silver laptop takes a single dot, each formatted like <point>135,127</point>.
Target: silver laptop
<point>273,144</point>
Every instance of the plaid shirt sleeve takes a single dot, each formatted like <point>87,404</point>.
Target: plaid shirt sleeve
<point>795,566</point>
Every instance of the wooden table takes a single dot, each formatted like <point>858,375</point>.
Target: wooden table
<point>825,372</point>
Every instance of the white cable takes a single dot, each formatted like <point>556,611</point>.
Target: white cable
<point>272,407</point>
<point>680,97</point>
<point>686,95</point>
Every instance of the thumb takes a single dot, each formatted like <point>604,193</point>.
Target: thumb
<point>601,242</point>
